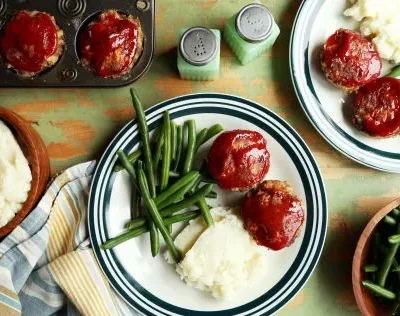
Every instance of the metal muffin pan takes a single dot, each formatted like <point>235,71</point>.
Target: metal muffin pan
<point>71,16</point>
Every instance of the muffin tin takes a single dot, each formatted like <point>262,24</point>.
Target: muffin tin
<point>72,16</point>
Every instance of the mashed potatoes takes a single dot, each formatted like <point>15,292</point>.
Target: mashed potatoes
<point>380,20</point>
<point>15,176</point>
<point>221,259</point>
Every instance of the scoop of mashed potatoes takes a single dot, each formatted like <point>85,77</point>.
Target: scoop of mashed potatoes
<point>221,259</point>
<point>379,20</point>
<point>15,176</point>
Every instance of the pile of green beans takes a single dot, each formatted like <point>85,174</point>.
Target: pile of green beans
<point>164,182</point>
<point>382,272</point>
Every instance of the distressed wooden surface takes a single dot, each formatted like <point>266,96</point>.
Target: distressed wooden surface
<point>77,124</point>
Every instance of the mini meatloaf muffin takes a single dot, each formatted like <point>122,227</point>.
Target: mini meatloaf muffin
<point>111,44</point>
<point>272,214</point>
<point>350,60</point>
<point>31,42</point>
<point>238,159</point>
<point>377,107</point>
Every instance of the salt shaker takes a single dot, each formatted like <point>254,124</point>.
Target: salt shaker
<point>251,32</point>
<point>199,54</point>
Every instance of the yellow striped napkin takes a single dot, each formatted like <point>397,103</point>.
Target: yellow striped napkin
<point>46,263</point>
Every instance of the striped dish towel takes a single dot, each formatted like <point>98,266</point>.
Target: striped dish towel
<point>46,263</point>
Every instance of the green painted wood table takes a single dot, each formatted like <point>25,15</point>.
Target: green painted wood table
<point>77,124</point>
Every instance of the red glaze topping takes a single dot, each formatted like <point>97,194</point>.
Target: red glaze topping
<point>377,107</point>
<point>272,214</point>
<point>28,40</point>
<point>238,159</point>
<point>350,60</point>
<point>109,44</point>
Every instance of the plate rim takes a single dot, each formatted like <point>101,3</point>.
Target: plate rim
<point>314,121</point>
<point>321,208</point>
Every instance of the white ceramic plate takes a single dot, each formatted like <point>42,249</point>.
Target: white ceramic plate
<point>151,285</point>
<point>326,106</point>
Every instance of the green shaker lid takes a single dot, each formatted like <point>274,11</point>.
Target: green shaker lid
<point>198,46</point>
<point>254,23</point>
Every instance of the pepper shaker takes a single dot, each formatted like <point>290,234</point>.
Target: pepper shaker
<point>199,54</point>
<point>251,32</point>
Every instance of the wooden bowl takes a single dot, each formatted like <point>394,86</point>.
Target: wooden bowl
<point>366,302</point>
<point>36,153</point>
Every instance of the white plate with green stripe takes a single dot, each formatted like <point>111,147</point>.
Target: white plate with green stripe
<point>327,107</point>
<point>150,285</point>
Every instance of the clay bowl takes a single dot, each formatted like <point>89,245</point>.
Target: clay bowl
<point>35,152</point>
<point>366,302</point>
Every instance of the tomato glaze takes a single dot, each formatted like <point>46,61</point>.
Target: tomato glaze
<point>272,214</point>
<point>350,60</point>
<point>28,40</point>
<point>109,44</point>
<point>377,107</point>
<point>238,159</point>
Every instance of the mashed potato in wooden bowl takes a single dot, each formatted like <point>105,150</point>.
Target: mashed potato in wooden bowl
<point>15,176</point>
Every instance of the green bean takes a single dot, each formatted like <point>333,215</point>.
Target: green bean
<point>176,186</point>
<point>394,239</point>
<point>208,180</point>
<point>389,220</point>
<point>177,196</point>
<point>187,202</point>
<point>200,138</point>
<point>144,132</point>
<point>166,157</point>
<point>132,157</point>
<point>195,186</point>
<point>143,228</point>
<point>379,290</point>
<point>179,146</point>
<point>212,195</point>
<point>135,204</point>
<point>387,262</point>
<point>190,148</point>
<point>205,211</point>
<point>111,243</point>
<point>173,174</point>
<point>173,141</point>
<point>213,131</point>
<point>396,212</point>
<point>371,268</point>
<point>158,149</point>
<point>395,72</point>
<point>187,216</point>
<point>136,222</point>
<point>169,228</point>
<point>123,158</point>
<point>168,220</point>
<point>155,215</point>
<point>154,238</point>
<point>395,269</point>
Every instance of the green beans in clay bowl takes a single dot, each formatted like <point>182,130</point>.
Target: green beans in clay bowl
<point>376,268</point>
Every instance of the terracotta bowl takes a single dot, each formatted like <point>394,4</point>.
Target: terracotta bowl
<point>366,302</point>
<point>35,152</point>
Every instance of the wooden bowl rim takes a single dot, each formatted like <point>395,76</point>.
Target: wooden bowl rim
<point>361,244</point>
<point>39,164</point>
